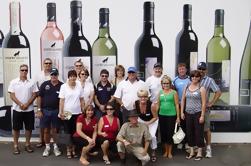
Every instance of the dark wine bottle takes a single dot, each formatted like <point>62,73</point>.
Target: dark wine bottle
<point>76,46</point>
<point>104,48</point>
<point>245,73</point>
<point>218,58</point>
<point>187,42</point>
<point>1,69</point>
<point>16,49</point>
<point>148,48</point>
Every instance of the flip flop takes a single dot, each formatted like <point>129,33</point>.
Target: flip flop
<point>198,158</point>
<point>190,156</point>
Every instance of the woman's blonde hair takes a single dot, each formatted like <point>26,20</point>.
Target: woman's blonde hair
<point>165,77</point>
<point>142,92</point>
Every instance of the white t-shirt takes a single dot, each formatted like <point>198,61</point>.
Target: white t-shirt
<point>127,92</point>
<point>71,98</point>
<point>154,85</point>
<point>23,91</point>
<point>88,89</point>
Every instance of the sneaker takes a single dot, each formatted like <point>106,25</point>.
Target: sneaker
<point>57,152</point>
<point>46,152</point>
<point>208,153</point>
<point>179,146</point>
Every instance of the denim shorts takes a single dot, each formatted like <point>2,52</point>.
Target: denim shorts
<point>50,119</point>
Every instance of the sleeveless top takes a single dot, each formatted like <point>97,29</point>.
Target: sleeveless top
<point>88,129</point>
<point>148,115</point>
<point>167,104</point>
<point>111,130</point>
<point>193,101</point>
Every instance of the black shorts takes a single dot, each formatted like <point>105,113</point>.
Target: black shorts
<point>20,118</point>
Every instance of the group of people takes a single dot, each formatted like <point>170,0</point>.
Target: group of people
<point>117,116</point>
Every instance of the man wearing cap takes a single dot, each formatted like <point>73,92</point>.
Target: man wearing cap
<point>126,92</point>
<point>209,84</point>
<point>48,108</point>
<point>153,82</point>
<point>134,137</point>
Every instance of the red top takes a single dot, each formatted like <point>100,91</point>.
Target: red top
<point>88,129</point>
<point>111,130</point>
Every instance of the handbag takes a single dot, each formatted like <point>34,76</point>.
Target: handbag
<point>179,135</point>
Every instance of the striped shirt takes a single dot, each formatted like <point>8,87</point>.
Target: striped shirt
<point>209,84</point>
<point>193,101</point>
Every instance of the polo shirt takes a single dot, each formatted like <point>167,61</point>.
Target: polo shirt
<point>180,84</point>
<point>127,92</point>
<point>23,91</point>
<point>104,93</point>
<point>49,95</point>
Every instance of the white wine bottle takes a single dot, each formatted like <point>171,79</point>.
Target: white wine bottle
<point>245,73</point>
<point>16,49</point>
<point>187,42</point>
<point>104,49</point>
<point>148,48</point>
<point>76,46</point>
<point>218,58</point>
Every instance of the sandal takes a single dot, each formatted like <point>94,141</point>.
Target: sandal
<point>28,149</point>
<point>198,158</point>
<point>106,161</point>
<point>190,156</point>
<point>40,144</point>
<point>16,150</point>
<point>68,154</point>
<point>74,154</point>
<point>95,153</point>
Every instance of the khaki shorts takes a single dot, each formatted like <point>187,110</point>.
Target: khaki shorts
<point>207,121</point>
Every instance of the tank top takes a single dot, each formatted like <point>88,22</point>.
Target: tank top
<point>193,101</point>
<point>167,104</point>
<point>148,115</point>
<point>111,130</point>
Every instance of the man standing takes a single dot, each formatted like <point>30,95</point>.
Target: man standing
<point>209,84</point>
<point>126,92</point>
<point>180,82</point>
<point>22,92</point>
<point>154,82</point>
<point>104,91</point>
<point>48,108</point>
<point>134,137</point>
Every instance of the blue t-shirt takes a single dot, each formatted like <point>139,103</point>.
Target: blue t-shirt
<point>180,84</point>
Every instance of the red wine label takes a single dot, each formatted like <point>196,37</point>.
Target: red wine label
<point>69,64</point>
<point>53,50</point>
<point>12,59</point>
<point>193,60</point>
<point>149,63</point>
<point>100,62</point>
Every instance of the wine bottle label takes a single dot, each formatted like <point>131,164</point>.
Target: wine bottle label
<point>149,63</point>
<point>12,59</point>
<point>193,60</point>
<point>245,92</point>
<point>69,64</point>
<point>220,115</point>
<point>53,50</point>
<point>103,62</point>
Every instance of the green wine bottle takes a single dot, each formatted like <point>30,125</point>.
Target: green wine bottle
<point>218,58</point>
<point>104,49</point>
<point>245,73</point>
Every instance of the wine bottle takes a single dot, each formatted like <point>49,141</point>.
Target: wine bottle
<point>1,68</point>
<point>245,73</point>
<point>51,40</point>
<point>76,46</point>
<point>187,42</point>
<point>16,49</point>
<point>218,58</point>
<point>104,49</point>
<point>148,48</point>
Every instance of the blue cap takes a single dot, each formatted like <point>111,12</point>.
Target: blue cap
<point>54,71</point>
<point>132,69</point>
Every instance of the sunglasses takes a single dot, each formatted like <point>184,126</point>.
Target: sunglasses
<point>24,70</point>
<point>54,74</point>
<point>78,65</point>
<point>84,74</point>
<point>109,109</point>
<point>165,83</point>
<point>47,63</point>
<point>143,96</point>
<point>201,69</point>
<point>194,76</point>
<point>104,75</point>
<point>131,72</point>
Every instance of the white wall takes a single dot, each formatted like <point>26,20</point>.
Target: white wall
<point>126,25</point>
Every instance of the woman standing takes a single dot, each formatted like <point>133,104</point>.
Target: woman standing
<point>168,104</point>
<point>71,99</point>
<point>119,75</point>
<point>194,104</point>
<point>148,115</point>
<point>87,86</point>
<point>108,128</point>
<point>86,133</point>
